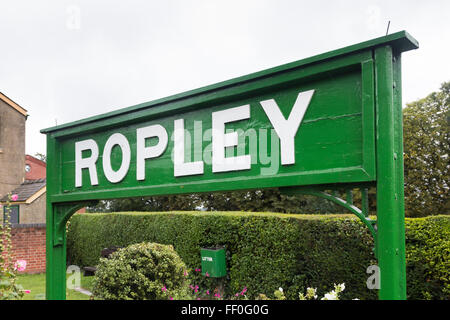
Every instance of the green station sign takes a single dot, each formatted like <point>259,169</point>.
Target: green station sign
<point>329,120</point>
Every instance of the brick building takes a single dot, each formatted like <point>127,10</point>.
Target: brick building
<point>30,206</point>
<point>28,242</point>
<point>12,144</point>
<point>24,176</point>
<point>34,168</point>
<point>20,174</point>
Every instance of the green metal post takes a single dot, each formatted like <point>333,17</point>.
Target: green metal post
<point>55,252</point>
<point>56,218</point>
<point>390,202</point>
<point>56,267</point>
<point>56,246</point>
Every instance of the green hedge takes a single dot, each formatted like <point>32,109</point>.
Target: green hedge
<point>267,251</point>
<point>428,257</point>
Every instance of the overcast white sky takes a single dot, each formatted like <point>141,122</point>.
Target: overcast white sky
<point>68,60</point>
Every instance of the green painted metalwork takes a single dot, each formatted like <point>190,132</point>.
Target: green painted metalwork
<point>213,262</point>
<point>349,134</point>
<point>365,202</point>
<point>390,199</point>
<point>320,191</point>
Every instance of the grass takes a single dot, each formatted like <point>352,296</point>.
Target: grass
<point>36,284</point>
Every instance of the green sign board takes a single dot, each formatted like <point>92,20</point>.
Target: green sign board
<point>329,120</point>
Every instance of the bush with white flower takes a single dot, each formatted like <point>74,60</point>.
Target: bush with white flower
<point>9,289</point>
<point>279,294</point>
<point>311,294</point>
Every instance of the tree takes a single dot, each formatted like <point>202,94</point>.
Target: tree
<point>426,154</point>
<point>40,156</point>
<point>266,200</point>
<point>160,203</point>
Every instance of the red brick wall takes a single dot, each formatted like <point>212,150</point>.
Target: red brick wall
<point>37,168</point>
<point>28,242</point>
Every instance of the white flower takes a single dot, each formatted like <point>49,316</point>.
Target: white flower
<point>330,296</point>
<point>281,289</point>
<point>311,293</point>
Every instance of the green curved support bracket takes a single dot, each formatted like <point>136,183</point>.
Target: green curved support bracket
<point>61,214</point>
<point>347,204</point>
<point>57,216</point>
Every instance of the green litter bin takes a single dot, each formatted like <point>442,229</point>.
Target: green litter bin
<point>213,262</point>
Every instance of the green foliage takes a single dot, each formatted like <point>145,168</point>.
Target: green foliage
<point>265,200</point>
<point>144,271</point>
<point>311,293</point>
<point>159,203</point>
<point>266,251</point>
<point>9,289</point>
<point>428,257</point>
<point>149,204</point>
<point>426,152</point>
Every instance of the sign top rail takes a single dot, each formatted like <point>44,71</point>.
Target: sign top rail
<point>400,42</point>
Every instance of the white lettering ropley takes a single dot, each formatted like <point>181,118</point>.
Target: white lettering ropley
<point>286,130</point>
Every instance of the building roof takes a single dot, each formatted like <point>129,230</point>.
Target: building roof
<point>35,160</point>
<point>28,191</point>
<point>13,105</point>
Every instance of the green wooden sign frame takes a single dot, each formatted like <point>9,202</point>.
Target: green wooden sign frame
<point>329,122</point>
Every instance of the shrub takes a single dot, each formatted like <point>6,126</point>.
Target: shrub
<point>266,251</point>
<point>144,271</point>
<point>428,257</point>
<point>9,289</point>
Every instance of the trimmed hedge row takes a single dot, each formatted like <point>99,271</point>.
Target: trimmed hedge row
<point>428,257</point>
<point>267,251</point>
